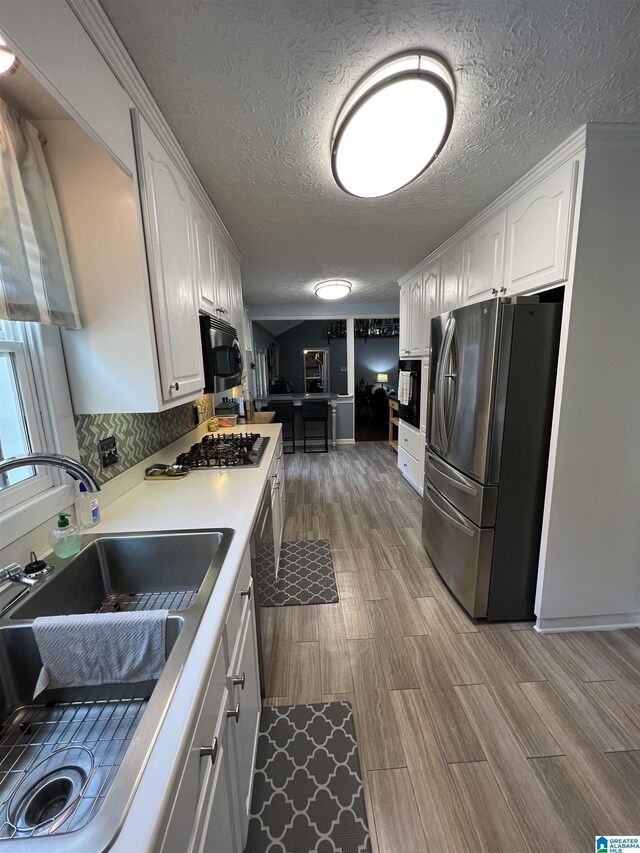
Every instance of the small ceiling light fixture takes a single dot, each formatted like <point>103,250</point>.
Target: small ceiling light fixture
<point>7,56</point>
<point>393,125</point>
<point>334,288</point>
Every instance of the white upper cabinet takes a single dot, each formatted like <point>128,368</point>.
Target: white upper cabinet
<point>538,232</point>
<point>203,257</point>
<point>417,342</point>
<point>483,261</point>
<point>404,337</point>
<point>451,279</point>
<point>167,221</point>
<point>431,301</point>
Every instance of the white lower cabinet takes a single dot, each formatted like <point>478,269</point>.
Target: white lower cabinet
<point>244,687</point>
<point>411,454</point>
<point>205,785</point>
<point>210,809</point>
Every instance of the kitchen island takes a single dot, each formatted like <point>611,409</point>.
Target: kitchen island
<point>333,399</point>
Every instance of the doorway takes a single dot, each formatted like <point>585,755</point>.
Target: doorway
<point>376,351</point>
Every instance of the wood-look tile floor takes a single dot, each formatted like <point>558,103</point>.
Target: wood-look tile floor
<point>472,737</point>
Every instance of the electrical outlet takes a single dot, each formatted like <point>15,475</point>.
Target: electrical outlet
<point>107,451</point>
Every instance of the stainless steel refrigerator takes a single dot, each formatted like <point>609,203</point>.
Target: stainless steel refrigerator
<point>490,402</point>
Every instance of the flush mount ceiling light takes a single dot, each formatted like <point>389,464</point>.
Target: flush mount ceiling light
<point>393,125</point>
<point>7,56</point>
<point>334,288</point>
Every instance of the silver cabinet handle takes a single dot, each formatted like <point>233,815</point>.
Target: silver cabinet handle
<point>175,386</point>
<point>234,712</point>
<point>221,311</point>
<point>246,592</point>
<point>239,680</point>
<point>211,751</point>
<point>494,290</point>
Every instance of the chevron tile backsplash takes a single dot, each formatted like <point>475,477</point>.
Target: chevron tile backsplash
<point>137,435</point>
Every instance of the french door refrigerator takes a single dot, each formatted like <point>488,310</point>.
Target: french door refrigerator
<point>490,401</point>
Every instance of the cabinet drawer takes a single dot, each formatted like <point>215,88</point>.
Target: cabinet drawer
<point>409,440</point>
<point>238,605</point>
<point>410,468</point>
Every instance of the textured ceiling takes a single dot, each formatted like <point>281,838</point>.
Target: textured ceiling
<point>251,89</point>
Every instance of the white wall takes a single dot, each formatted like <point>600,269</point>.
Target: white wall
<point>590,550</point>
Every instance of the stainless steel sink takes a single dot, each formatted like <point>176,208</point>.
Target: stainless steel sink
<point>70,760</point>
<point>126,572</point>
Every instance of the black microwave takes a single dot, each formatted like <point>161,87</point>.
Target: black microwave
<point>221,354</point>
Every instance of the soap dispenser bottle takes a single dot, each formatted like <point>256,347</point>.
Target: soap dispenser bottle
<point>65,539</point>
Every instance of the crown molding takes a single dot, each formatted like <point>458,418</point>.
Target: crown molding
<point>101,31</point>
<point>569,149</point>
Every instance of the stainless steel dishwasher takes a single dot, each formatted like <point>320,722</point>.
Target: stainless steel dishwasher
<point>263,563</point>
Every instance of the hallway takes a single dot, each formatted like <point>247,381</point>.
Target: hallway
<point>472,737</point>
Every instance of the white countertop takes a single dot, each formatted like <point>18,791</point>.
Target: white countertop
<point>202,500</point>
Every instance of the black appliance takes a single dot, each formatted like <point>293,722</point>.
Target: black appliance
<point>409,403</point>
<point>221,354</point>
<point>228,450</point>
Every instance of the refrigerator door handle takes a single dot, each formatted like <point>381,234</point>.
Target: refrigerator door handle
<point>456,522</point>
<point>444,357</point>
<point>458,483</point>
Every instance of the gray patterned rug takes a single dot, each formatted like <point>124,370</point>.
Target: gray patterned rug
<point>307,787</point>
<point>305,575</point>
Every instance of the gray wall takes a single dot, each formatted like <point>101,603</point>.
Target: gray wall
<point>376,355</point>
<point>312,335</point>
<point>261,338</point>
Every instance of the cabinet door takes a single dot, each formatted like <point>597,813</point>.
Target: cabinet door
<point>222,291</point>
<point>483,260</point>
<point>203,258</point>
<point>216,824</point>
<point>416,316</point>
<point>167,221</point>
<point>432,294</point>
<point>245,694</point>
<point>539,232</point>
<point>404,337</point>
<point>451,278</point>
<point>205,785</point>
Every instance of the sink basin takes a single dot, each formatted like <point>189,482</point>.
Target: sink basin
<point>70,760</point>
<point>125,572</point>
<point>60,753</point>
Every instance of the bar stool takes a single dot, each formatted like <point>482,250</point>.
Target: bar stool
<point>315,411</point>
<point>285,414</point>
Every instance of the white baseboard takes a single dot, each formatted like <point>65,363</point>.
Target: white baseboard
<point>608,622</point>
<point>345,441</point>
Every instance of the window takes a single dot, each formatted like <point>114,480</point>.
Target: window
<point>22,426</point>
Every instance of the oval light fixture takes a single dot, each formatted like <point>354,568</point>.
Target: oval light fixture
<point>7,56</point>
<point>334,288</point>
<point>393,125</point>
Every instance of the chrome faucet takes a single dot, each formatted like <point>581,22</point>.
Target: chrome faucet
<point>53,460</point>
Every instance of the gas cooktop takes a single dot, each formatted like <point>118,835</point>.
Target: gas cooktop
<point>229,450</point>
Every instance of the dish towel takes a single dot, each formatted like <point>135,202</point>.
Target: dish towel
<point>100,648</point>
<point>404,387</point>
